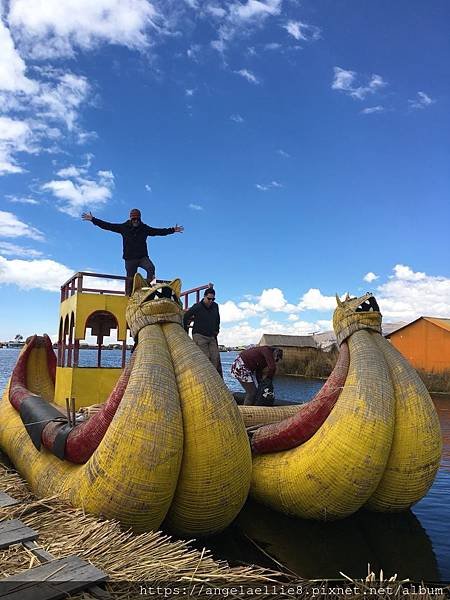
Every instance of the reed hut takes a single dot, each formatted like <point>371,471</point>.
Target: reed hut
<point>298,351</point>
<point>425,342</point>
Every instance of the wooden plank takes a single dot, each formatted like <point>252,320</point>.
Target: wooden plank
<point>14,531</point>
<point>45,556</point>
<point>6,500</point>
<point>41,554</point>
<point>52,580</point>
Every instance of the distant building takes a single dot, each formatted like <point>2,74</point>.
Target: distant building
<point>297,349</point>
<point>327,340</point>
<point>425,343</point>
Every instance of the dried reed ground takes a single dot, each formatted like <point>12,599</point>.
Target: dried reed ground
<point>124,556</point>
<point>155,559</point>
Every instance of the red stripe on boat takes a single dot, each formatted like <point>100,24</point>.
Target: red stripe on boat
<point>296,430</point>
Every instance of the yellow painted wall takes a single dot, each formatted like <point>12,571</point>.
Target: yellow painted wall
<point>425,345</point>
<point>83,305</point>
<point>87,385</point>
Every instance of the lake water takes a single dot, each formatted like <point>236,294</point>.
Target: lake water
<point>415,545</point>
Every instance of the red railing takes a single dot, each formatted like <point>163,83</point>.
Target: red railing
<point>76,285</point>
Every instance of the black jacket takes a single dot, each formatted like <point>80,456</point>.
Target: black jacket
<point>206,320</point>
<point>134,238</point>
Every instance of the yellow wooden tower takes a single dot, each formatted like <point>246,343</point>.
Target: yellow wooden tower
<point>85,306</point>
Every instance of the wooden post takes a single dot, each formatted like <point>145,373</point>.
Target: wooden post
<point>70,344</point>
<point>99,350</point>
<point>76,353</point>
<point>124,353</point>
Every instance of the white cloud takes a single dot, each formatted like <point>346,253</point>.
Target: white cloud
<point>61,100</point>
<point>313,299</point>
<point>148,188</point>
<point>57,28</point>
<point>422,100</point>
<point>80,194</point>
<point>242,18</point>
<point>369,277</point>
<point>272,46</point>
<point>34,274</point>
<point>248,75</point>
<point>216,11</point>
<point>370,110</point>
<point>255,8</point>
<point>20,200</point>
<point>15,136</point>
<point>189,92</point>
<point>195,207</point>
<point>8,249</point>
<point>264,187</point>
<point>237,118</point>
<point>405,296</point>
<point>283,153</point>
<point>345,81</point>
<point>12,227</point>
<point>409,294</point>
<point>405,273</point>
<point>12,66</point>
<point>302,31</point>
<point>71,171</point>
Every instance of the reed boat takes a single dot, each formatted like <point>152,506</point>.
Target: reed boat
<point>371,437</point>
<point>169,446</point>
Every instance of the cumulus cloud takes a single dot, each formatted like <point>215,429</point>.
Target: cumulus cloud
<point>409,294</point>
<point>283,153</point>
<point>195,207</point>
<point>12,227</point>
<point>148,188</point>
<point>237,118</point>
<point>406,295</point>
<point>80,193</point>
<point>421,101</point>
<point>346,81</point>
<point>369,277</point>
<point>313,299</point>
<point>58,28</point>
<point>41,274</point>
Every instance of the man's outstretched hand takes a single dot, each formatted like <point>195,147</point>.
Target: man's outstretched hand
<point>87,216</point>
<point>177,228</point>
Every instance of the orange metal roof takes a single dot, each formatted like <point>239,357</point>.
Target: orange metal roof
<point>444,323</point>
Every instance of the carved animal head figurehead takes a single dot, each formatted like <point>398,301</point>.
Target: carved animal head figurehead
<point>157,304</point>
<point>354,314</point>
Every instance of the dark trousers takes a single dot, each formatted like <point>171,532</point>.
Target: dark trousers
<point>131,267</point>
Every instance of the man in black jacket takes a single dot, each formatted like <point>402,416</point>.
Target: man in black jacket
<point>205,315</point>
<point>134,237</point>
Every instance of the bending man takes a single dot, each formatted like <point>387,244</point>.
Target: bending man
<point>254,364</point>
<point>134,237</point>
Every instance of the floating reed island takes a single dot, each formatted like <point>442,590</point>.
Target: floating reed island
<point>125,557</point>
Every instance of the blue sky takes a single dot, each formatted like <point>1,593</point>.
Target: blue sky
<point>304,146</point>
